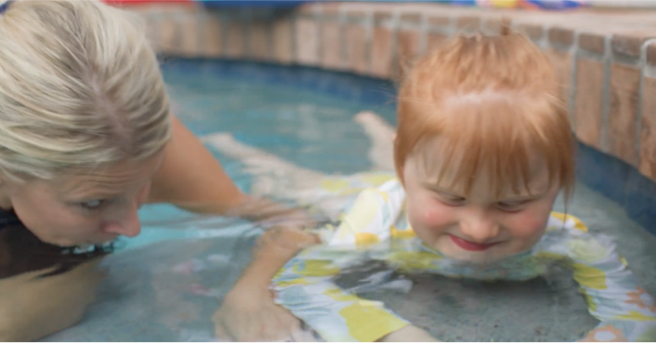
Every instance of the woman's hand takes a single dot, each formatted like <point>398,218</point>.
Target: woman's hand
<point>248,313</point>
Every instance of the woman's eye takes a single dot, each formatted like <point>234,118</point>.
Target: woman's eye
<point>92,204</point>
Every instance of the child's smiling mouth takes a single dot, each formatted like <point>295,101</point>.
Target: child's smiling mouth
<point>471,246</point>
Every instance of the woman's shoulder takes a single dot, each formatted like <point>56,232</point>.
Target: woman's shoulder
<point>21,251</point>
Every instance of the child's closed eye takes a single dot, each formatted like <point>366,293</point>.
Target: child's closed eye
<point>451,200</point>
<point>512,206</point>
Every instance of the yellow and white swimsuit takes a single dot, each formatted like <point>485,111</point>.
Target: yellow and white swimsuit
<point>376,228</point>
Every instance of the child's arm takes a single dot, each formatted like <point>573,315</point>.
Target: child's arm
<point>625,310</point>
<point>409,333</point>
<point>305,285</point>
<point>249,305</point>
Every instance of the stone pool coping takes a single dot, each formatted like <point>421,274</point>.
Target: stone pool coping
<point>606,61</point>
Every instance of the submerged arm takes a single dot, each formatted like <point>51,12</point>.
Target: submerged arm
<point>625,310</point>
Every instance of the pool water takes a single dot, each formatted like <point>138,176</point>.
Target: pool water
<point>165,284</point>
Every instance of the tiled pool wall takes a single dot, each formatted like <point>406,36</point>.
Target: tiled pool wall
<point>606,61</point>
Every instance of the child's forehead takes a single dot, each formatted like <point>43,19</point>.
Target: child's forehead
<point>450,168</point>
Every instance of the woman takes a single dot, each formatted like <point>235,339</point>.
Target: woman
<point>86,138</point>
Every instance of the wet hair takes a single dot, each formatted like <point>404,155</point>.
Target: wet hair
<point>494,105</point>
<point>80,87</point>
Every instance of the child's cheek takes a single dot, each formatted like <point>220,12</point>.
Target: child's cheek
<point>527,224</point>
<point>428,212</point>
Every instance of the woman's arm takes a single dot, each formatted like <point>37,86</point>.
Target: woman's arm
<point>32,307</point>
<point>191,178</point>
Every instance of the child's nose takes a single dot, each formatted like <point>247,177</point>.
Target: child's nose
<point>479,228</point>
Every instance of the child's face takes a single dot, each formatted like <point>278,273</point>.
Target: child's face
<point>482,227</point>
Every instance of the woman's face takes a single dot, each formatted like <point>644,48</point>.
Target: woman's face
<point>89,207</point>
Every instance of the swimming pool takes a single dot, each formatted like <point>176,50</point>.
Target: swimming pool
<point>165,284</point>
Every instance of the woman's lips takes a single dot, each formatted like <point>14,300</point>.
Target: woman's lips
<point>471,246</point>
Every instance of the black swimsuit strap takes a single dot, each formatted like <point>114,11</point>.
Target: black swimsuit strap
<point>21,251</point>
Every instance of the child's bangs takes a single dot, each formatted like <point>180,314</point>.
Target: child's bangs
<point>500,139</point>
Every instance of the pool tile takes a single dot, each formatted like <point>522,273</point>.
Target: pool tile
<point>259,42</point>
<point>589,84</point>
<point>331,44</point>
<point>236,32</point>
<point>624,97</point>
<point>648,129</point>
<point>212,37</point>
<point>562,60</point>
<point>407,45</point>
<point>189,45</point>
<point>381,54</point>
<point>282,40</point>
<point>307,41</point>
<point>356,48</point>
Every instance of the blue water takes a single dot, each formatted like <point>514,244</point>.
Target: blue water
<point>301,115</point>
<point>305,116</point>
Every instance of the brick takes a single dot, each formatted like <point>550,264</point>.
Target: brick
<point>532,31</point>
<point>587,114</point>
<point>330,8</point>
<point>592,41</point>
<point>411,17</point>
<point>356,45</point>
<point>624,95</point>
<point>407,50</point>
<point>331,45</point>
<point>651,54</point>
<point>630,43</point>
<point>212,40</point>
<point>439,20</point>
<point>308,8</point>
<point>168,36</point>
<point>561,36</point>
<point>283,41</point>
<point>354,15</point>
<point>381,15</point>
<point>433,40</point>
<point>562,61</point>
<point>468,23</point>
<point>648,129</point>
<point>189,46</point>
<point>259,40</point>
<point>307,42</point>
<point>236,42</point>
<point>381,53</point>
<point>492,26</point>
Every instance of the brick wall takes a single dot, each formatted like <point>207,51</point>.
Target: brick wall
<point>606,59</point>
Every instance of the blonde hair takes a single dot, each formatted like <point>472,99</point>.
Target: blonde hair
<point>80,87</point>
<point>495,104</point>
